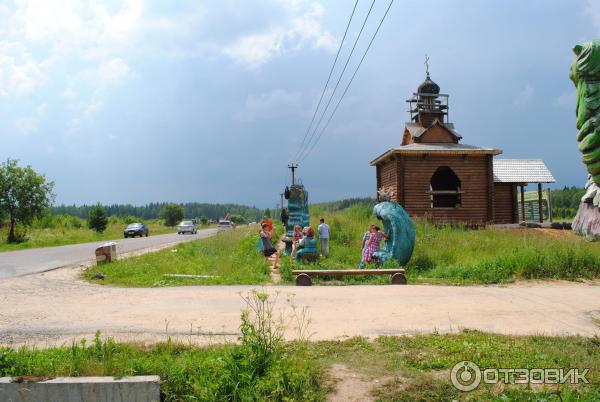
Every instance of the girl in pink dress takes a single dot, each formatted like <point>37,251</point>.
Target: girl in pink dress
<point>371,244</point>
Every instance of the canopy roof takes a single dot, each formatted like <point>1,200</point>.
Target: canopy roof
<point>521,171</point>
<point>436,149</point>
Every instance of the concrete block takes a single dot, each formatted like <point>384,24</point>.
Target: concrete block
<point>82,389</point>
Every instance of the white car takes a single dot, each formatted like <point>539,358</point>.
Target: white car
<point>225,225</point>
<point>186,227</point>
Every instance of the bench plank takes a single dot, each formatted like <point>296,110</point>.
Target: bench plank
<point>339,272</point>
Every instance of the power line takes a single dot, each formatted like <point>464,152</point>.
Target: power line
<point>327,82</point>
<point>349,82</point>
<point>316,129</point>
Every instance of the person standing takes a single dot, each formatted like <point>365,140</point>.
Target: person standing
<point>267,246</point>
<point>365,242</point>
<point>324,237</point>
<point>269,223</point>
<point>285,216</point>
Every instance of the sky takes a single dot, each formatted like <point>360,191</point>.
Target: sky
<point>137,101</point>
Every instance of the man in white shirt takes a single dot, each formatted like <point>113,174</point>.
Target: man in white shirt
<point>324,237</point>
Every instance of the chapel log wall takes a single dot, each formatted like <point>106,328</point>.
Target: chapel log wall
<point>473,172</point>
<point>505,208</point>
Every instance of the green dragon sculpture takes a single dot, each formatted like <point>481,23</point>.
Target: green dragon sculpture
<point>585,74</point>
<point>401,229</point>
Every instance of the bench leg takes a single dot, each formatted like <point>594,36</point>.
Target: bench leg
<point>398,279</point>
<point>303,280</point>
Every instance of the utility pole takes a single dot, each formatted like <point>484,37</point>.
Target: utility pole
<point>293,167</point>
<point>281,200</point>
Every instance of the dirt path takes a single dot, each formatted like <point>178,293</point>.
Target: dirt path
<point>350,386</point>
<point>56,307</point>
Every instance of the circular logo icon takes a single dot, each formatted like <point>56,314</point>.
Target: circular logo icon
<point>465,376</point>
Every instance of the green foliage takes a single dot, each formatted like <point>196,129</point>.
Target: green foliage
<point>127,219</point>
<point>237,219</point>
<point>417,367</point>
<point>493,255</point>
<point>153,210</point>
<point>567,196</point>
<point>407,368</point>
<point>230,257</point>
<point>203,220</point>
<point>97,219</point>
<point>565,202</point>
<point>267,213</point>
<point>333,206</point>
<point>172,214</point>
<point>24,195</point>
<point>48,221</point>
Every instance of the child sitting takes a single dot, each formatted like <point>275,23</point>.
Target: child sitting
<point>296,239</point>
<point>308,244</point>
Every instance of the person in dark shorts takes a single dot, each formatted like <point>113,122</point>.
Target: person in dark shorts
<point>268,249</point>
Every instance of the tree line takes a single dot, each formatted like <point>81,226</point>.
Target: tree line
<point>565,201</point>
<point>154,210</point>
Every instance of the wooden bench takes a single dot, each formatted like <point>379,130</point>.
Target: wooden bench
<point>303,276</point>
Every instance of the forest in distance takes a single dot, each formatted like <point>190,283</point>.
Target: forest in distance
<point>153,210</point>
<point>565,202</point>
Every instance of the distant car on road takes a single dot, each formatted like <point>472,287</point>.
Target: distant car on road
<point>135,229</point>
<point>225,225</point>
<point>186,227</point>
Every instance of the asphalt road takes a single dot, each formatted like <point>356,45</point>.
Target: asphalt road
<point>31,261</point>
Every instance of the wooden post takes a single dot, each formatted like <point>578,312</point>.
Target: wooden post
<point>293,167</point>
<point>540,202</point>
<point>522,203</point>
<point>549,197</point>
<point>514,210</point>
<point>490,192</point>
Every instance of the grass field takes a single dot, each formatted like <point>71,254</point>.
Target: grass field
<point>72,230</point>
<point>442,255</point>
<point>231,257</point>
<point>407,368</point>
<point>454,255</point>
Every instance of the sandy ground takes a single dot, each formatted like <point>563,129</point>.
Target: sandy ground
<point>56,307</point>
<point>350,386</point>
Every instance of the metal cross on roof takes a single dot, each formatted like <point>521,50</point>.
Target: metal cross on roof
<point>426,65</point>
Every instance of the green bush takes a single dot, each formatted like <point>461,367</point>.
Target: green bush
<point>172,214</point>
<point>57,222</point>
<point>97,219</point>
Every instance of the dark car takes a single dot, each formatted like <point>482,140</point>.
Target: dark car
<point>135,229</point>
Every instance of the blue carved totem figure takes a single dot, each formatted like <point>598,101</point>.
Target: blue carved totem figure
<point>297,198</point>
